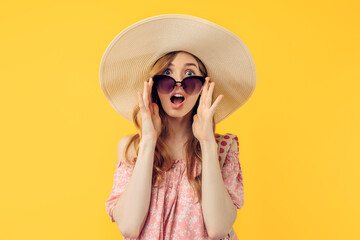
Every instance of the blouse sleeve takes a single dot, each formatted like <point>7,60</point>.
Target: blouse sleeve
<point>232,175</point>
<point>122,176</point>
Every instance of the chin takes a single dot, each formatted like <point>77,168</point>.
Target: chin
<point>177,114</point>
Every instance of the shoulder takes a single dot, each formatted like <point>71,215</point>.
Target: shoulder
<point>121,147</point>
<point>227,141</point>
<point>124,140</point>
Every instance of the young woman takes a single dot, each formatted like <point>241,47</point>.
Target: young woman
<point>176,178</point>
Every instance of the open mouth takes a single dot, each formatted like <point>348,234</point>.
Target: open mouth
<point>177,100</point>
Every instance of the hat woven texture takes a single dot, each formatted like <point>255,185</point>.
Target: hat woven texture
<point>127,60</point>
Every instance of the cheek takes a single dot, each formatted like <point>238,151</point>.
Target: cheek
<point>192,100</point>
<point>163,99</point>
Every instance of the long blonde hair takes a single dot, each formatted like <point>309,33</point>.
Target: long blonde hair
<point>163,158</point>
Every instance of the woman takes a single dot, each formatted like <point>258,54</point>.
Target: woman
<point>176,178</point>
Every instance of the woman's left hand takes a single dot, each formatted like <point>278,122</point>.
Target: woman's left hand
<point>202,124</point>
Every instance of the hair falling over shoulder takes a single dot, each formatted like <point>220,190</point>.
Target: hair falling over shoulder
<point>163,158</point>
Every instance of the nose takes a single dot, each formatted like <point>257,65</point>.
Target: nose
<point>179,88</point>
<point>178,84</point>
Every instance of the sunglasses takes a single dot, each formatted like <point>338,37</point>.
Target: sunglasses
<point>166,84</point>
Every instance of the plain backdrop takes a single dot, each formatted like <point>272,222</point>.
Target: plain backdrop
<point>299,133</point>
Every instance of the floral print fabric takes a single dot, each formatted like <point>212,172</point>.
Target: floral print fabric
<point>173,213</point>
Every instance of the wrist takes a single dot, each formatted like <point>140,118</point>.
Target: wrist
<point>208,142</point>
<point>148,140</point>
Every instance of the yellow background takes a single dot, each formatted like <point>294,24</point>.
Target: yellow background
<point>299,134</point>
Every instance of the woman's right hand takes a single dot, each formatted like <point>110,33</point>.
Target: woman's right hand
<point>151,121</point>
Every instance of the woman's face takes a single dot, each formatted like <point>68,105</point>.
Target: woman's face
<point>182,66</point>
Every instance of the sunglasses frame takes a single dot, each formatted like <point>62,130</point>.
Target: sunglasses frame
<point>156,77</point>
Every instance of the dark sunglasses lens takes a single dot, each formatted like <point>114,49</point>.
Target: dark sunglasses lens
<point>192,85</point>
<point>164,84</point>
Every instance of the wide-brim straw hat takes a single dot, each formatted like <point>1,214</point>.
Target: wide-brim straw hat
<point>127,60</point>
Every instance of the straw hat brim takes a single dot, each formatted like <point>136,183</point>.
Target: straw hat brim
<point>127,60</point>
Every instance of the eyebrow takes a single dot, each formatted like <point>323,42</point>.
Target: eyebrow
<point>186,64</point>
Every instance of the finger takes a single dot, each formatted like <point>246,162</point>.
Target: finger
<point>150,88</point>
<point>216,103</point>
<point>149,96</point>
<point>204,91</point>
<point>209,94</point>
<point>206,87</point>
<point>141,102</point>
<point>145,95</point>
<point>151,109</point>
<point>156,109</point>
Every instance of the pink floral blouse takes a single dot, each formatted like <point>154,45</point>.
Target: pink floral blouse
<point>172,212</point>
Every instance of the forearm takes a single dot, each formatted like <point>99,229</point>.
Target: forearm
<point>218,209</point>
<point>132,207</point>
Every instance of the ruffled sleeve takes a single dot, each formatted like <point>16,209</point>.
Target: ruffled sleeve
<point>122,177</point>
<point>232,174</point>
